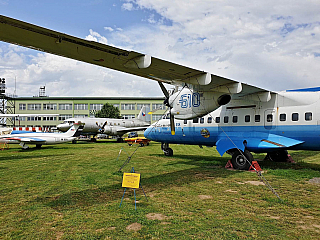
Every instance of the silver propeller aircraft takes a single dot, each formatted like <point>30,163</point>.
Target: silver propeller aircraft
<point>109,126</point>
<point>248,118</point>
<point>25,138</point>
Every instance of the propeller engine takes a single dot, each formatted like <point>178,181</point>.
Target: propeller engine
<point>188,104</point>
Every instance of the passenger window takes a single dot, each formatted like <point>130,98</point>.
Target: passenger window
<point>195,120</point>
<point>295,116</point>
<point>201,120</point>
<point>209,120</point>
<point>269,118</point>
<point>185,121</point>
<point>308,116</point>
<point>283,117</point>
<point>247,118</point>
<point>235,119</point>
<point>226,119</point>
<point>217,119</point>
<point>257,118</point>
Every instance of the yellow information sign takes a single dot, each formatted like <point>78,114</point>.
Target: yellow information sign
<point>131,180</point>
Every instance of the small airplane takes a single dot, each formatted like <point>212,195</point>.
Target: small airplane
<point>209,110</point>
<point>109,126</point>
<point>25,138</point>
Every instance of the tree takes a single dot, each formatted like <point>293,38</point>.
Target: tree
<point>108,111</point>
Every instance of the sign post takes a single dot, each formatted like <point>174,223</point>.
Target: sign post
<point>132,180</point>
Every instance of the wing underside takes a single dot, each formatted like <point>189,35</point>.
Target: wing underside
<point>42,39</point>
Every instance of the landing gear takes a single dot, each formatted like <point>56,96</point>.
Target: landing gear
<point>241,160</point>
<point>166,150</point>
<point>38,146</point>
<point>278,156</point>
<point>120,140</point>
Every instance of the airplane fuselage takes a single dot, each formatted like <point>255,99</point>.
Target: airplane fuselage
<point>290,120</point>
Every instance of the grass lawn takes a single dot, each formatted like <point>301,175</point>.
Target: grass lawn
<point>73,191</point>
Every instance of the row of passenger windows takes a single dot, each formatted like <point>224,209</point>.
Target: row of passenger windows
<point>257,118</point>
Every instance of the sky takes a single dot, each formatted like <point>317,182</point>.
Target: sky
<point>271,44</point>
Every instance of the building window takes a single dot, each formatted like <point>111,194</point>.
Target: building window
<point>283,117</point>
<point>34,106</point>
<point>226,119</point>
<point>80,106</point>
<point>235,119</point>
<point>33,118</point>
<point>64,117</point>
<point>128,106</point>
<point>65,106</point>
<point>49,106</point>
<point>247,118</point>
<point>295,116</point>
<point>128,116</point>
<point>257,118</point>
<point>116,105</point>
<point>209,120</point>
<point>49,118</point>
<point>80,115</point>
<point>22,106</point>
<point>96,106</point>
<point>217,119</point>
<point>158,106</point>
<point>140,105</point>
<point>156,117</point>
<point>308,116</point>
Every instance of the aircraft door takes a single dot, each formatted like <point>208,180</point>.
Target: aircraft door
<point>270,119</point>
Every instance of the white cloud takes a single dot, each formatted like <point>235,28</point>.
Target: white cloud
<point>110,29</point>
<point>271,44</point>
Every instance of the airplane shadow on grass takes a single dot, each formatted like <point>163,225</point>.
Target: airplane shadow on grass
<point>113,192</point>
<point>205,167</point>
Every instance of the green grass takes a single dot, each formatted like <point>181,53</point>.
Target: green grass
<point>73,191</point>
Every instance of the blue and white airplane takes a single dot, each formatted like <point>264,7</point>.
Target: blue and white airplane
<point>26,138</point>
<point>207,109</point>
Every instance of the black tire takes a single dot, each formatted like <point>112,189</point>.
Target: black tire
<point>168,152</point>
<point>129,144</point>
<point>141,144</point>
<point>38,145</point>
<point>239,162</point>
<point>74,141</point>
<point>278,156</point>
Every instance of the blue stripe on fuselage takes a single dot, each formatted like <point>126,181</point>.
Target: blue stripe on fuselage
<point>310,134</point>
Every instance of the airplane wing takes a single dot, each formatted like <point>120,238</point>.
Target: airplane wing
<point>42,39</point>
<point>124,130</point>
<point>256,142</point>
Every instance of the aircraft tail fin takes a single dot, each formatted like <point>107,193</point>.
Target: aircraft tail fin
<point>142,114</point>
<point>75,130</point>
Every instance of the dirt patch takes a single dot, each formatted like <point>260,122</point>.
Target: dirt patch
<point>274,217</point>
<point>316,225</point>
<point>203,197</point>
<point>219,182</point>
<point>156,216</point>
<point>315,180</point>
<point>134,227</point>
<point>230,190</point>
<point>59,235</point>
<point>165,223</point>
<point>256,183</point>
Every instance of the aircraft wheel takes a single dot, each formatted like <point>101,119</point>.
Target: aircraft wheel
<point>239,162</point>
<point>74,141</point>
<point>38,145</point>
<point>278,156</point>
<point>168,152</point>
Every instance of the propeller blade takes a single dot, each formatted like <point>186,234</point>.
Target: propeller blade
<point>164,90</point>
<point>172,125</point>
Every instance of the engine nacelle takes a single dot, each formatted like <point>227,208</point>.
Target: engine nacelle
<point>188,104</point>
<point>110,130</point>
